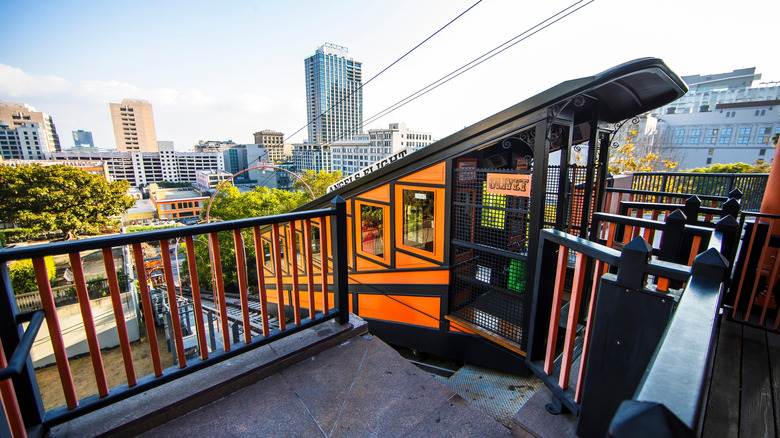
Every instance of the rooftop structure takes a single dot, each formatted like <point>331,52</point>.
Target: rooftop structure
<point>93,167</point>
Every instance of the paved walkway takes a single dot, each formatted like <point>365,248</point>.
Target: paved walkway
<point>360,388</point>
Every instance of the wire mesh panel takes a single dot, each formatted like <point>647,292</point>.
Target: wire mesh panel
<point>490,245</point>
<point>489,291</point>
<point>493,220</point>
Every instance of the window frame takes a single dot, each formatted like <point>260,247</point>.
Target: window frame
<point>385,258</point>
<point>438,221</point>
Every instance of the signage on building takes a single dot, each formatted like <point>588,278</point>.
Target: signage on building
<point>509,184</point>
<point>366,171</point>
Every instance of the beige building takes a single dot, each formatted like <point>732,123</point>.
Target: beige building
<point>133,126</point>
<point>16,114</point>
<point>278,150</point>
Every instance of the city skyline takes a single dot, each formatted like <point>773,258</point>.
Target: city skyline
<point>225,73</point>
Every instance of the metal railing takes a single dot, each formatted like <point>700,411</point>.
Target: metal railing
<point>671,398</point>
<point>717,184</point>
<point>752,298</point>
<point>332,286</point>
<point>617,305</point>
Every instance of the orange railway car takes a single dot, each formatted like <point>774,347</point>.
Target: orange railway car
<point>442,243</point>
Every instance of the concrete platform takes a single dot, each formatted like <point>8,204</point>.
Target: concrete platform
<point>360,388</point>
<point>352,384</point>
<point>533,420</point>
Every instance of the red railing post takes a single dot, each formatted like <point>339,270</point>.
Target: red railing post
<point>309,266</point>
<point>260,262</point>
<point>146,303</point>
<point>219,284</point>
<point>10,404</point>
<point>55,333</point>
<point>238,242</point>
<point>89,323</point>
<point>119,315</point>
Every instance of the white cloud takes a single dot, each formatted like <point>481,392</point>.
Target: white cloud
<point>17,83</point>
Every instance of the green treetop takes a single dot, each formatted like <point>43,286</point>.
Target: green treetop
<point>49,198</point>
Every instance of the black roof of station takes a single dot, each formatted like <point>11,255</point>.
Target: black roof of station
<point>622,91</point>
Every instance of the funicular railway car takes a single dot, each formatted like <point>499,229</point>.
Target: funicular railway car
<point>443,243</point>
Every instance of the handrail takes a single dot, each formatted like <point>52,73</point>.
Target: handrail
<point>716,198</point>
<point>65,247</point>
<point>320,311</point>
<point>16,364</point>
<point>675,380</point>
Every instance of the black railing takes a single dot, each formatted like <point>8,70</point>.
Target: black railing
<point>671,398</point>
<point>752,185</point>
<point>12,338</point>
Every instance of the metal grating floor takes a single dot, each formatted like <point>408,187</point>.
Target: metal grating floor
<point>499,395</point>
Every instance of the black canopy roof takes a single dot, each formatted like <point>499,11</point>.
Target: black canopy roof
<point>620,92</point>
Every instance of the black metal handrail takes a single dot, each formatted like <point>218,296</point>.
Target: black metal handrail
<point>670,401</point>
<point>19,357</point>
<point>658,194</point>
<point>29,399</point>
<point>66,247</point>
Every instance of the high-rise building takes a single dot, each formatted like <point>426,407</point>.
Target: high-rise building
<point>26,141</point>
<point>133,126</point>
<point>278,150</point>
<point>16,114</point>
<point>83,138</point>
<point>334,98</point>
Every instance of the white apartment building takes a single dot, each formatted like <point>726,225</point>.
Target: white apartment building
<point>151,167</point>
<point>209,179</point>
<point>25,141</point>
<point>722,119</point>
<point>362,150</point>
<point>308,156</point>
<point>16,114</point>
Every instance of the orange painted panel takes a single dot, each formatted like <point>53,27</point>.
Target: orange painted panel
<point>422,311</point>
<point>393,277</point>
<point>403,260</point>
<point>363,264</point>
<point>431,175</point>
<point>379,194</point>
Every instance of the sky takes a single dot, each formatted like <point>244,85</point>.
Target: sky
<point>224,70</point>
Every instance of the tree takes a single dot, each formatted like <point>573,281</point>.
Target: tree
<point>49,198</point>
<point>23,275</point>
<point>645,154</point>
<point>318,181</point>
<point>758,166</point>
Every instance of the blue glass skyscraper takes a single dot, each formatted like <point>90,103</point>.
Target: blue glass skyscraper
<point>334,100</point>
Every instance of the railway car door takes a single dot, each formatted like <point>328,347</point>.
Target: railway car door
<point>491,205</point>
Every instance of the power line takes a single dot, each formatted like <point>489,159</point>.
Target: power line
<point>480,59</point>
<point>383,70</point>
<point>549,21</point>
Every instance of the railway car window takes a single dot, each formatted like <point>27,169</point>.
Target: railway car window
<point>418,219</point>
<point>372,222</point>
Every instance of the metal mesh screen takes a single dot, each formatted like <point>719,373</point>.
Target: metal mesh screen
<point>489,290</point>
<point>497,221</point>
